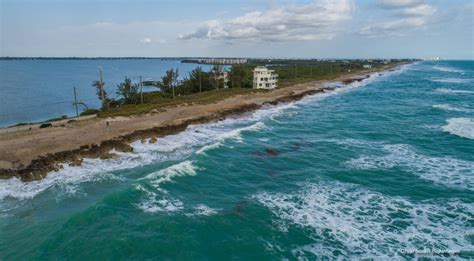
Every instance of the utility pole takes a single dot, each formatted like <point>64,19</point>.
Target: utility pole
<point>296,70</point>
<point>101,87</point>
<point>141,89</point>
<point>75,101</point>
<point>200,82</point>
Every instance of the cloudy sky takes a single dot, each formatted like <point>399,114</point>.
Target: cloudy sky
<point>231,28</point>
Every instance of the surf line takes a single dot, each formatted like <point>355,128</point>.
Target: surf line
<point>43,164</point>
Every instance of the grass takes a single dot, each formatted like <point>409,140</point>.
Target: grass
<point>64,117</point>
<point>158,101</point>
<point>155,101</point>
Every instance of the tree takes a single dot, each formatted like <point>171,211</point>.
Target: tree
<point>170,81</point>
<point>238,75</point>
<point>129,92</point>
<point>198,81</point>
<point>101,93</point>
<point>217,79</point>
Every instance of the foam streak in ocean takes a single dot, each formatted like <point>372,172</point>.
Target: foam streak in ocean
<point>368,224</point>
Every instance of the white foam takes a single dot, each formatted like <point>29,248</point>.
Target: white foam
<point>462,127</point>
<point>209,147</point>
<point>448,107</point>
<point>367,224</point>
<point>185,168</point>
<point>203,210</point>
<point>445,90</point>
<point>173,147</point>
<point>154,202</point>
<point>355,85</point>
<point>196,138</point>
<point>449,80</point>
<point>65,182</point>
<point>448,69</point>
<point>447,171</point>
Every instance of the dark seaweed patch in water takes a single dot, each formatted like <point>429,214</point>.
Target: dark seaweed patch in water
<point>271,173</point>
<point>272,152</point>
<point>296,146</point>
<point>268,153</point>
<point>239,207</point>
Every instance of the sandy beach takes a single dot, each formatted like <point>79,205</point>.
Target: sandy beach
<point>31,154</point>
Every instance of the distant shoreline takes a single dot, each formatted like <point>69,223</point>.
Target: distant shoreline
<point>44,150</point>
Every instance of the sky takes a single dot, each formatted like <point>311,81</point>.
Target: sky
<point>230,28</point>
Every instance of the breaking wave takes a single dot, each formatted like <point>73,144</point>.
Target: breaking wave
<point>447,107</point>
<point>450,80</point>
<point>195,139</point>
<point>446,171</point>
<point>160,202</point>
<point>462,127</point>
<point>448,69</point>
<point>367,224</point>
<point>445,90</point>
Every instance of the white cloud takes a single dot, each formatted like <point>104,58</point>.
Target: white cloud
<point>146,40</point>
<point>423,10</point>
<point>317,20</point>
<point>402,16</point>
<point>397,3</point>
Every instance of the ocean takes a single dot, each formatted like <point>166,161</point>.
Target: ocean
<point>38,90</point>
<point>383,168</point>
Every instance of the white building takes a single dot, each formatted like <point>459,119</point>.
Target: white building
<point>263,78</point>
<point>367,66</point>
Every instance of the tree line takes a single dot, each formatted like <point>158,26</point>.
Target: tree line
<point>171,85</point>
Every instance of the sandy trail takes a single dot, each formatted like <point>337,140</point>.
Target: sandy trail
<point>20,148</point>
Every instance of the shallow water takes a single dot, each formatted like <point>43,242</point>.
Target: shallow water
<point>378,169</point>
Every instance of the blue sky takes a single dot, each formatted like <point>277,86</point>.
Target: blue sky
<point>260,28</point>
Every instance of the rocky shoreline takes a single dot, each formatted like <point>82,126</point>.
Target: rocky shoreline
<point>39,168</point>
<point>43,164</point>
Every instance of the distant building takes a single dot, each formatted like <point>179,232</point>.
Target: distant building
<point>228,61</point>
<point>263,78</point>
<point>222,76</point>
<point>367,66</point>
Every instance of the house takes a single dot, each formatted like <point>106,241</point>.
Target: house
<point>221,76</point>
<point>367,66</point>
<point>263,78</point>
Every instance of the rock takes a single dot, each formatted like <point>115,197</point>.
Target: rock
<point>123,147</point>
<point>45,125</point>
<point>76,162</point>
<point>107,155</point>
<point>153,140</point>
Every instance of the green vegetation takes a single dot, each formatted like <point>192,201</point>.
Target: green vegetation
<point>129,91</point>
<point>89,112</point>
<point>57,119</point>
<point>200,87</point>
<point>159,101</point>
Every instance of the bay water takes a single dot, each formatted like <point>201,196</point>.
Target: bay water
<point>38,90</point>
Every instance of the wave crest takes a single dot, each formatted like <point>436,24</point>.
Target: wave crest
<point>462,127</point>
<point>442,170</point>
<point>368,224</point>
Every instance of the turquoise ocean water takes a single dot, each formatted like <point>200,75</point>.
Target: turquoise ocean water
<point>382,168</point>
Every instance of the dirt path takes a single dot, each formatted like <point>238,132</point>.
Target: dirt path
<point>17,151</point>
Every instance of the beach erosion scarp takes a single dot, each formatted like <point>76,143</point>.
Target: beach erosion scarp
<point>31,156</point>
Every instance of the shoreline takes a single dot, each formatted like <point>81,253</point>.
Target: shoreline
<point>42,151</point>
